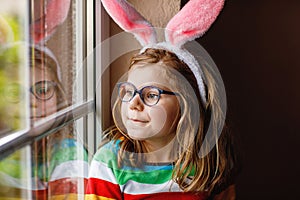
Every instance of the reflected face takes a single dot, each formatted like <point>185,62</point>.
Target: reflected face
<point>44,101</point>
<point>150,123</point>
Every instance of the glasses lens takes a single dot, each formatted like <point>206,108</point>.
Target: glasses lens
<point>150,95</point>
<point>44,90</point>
<point>126,92</point>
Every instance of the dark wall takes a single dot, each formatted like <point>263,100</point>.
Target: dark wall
<point>256,46</point>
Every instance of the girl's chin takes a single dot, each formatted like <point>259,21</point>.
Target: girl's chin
<point>138,135</point>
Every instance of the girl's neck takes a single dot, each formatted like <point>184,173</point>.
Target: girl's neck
<point>160,154</point>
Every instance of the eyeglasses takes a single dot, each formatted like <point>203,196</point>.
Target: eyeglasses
<point>150,95</point>
<point>43,90</point>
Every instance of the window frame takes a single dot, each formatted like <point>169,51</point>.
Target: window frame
<point>82,113</point>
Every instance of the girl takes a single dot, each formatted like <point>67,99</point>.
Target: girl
<point>168,116</point>
<point>153,149</point>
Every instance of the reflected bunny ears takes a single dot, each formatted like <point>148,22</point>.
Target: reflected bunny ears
<point>53,14</point>
<point>191,22</point>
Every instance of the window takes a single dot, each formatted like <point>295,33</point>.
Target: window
<point>13,99</point>
<point>47,98</point>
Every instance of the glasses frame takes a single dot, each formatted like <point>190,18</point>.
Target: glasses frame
<point>47,82</point>
<point>140,92</point>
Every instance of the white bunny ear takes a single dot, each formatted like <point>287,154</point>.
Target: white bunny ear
<point>130,20</point>
<point>192,21</point>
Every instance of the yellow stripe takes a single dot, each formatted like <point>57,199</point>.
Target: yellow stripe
<point>95,197</point>
<point>67,196</point>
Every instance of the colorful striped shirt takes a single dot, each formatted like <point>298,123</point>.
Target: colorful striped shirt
<point>64,176</point>
<point>153,181</point>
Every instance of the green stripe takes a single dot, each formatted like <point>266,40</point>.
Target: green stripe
<point>109,158</point>
<point>106,155</point>
<point>67,154</point>
<point>152,177</point>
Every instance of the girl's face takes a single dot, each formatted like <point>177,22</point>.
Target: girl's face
<point>42,107</point>
<point>153,124</point>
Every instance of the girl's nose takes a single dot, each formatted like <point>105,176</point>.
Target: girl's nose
<point>136,103</point>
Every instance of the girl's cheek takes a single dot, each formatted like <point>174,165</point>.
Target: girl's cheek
<point>158,117</point>
<point>54,102</point>
<point>124,112</point>
<point>50,106</point>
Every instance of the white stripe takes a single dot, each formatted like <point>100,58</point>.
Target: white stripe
<point>73,168</point>
<point>19,183</point>
<point>132,187</point>
<point>101,171</point>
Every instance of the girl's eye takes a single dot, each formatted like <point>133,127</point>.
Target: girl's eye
<point>152,96</point>
<point>129,93</point>
<point>42,90</point>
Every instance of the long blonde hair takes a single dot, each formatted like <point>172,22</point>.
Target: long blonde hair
<point>211,172</point>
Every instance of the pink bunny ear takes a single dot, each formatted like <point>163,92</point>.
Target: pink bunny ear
<point>56,11</point>
<point>130,20</point>
<point>192,21</point>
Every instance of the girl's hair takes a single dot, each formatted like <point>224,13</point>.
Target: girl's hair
<point>212,172</point>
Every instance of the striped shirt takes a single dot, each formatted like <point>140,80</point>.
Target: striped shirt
<point>64,176</point>
<point>153,181</point>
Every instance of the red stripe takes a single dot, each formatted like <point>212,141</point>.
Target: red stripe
<point>66,186</point>
<point>103,188</point>
<point>168,195</point>
<point>40,194</point>
<point>59,187</point>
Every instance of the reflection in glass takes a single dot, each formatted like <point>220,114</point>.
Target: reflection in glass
<point>56,160</point>
<point>43,90</point>
<point>47,95</point>
<point>59,161</point>
<point>13,55</point>
<point>14,175</point>
<point>56,168</point>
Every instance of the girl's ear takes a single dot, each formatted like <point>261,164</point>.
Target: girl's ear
<point>192,21</point>
<point>130,20</point>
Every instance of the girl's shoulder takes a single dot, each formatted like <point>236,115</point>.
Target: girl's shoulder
<point>108,152</point>
<point>69,149</point>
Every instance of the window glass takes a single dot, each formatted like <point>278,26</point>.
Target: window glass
<point>50,99</point>
<point>52,56</point>
<point>55,166</point>
<point>15,171</point>
<point>14,111</point>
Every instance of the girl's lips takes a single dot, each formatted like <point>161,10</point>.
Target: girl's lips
<point>138,120</point>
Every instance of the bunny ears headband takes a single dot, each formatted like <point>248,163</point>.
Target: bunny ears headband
<point>191,22</point>
<point>53,14</point>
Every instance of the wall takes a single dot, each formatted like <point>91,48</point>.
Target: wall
<point>256,46</point>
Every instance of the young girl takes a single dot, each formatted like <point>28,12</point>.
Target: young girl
<point>153,151</point>
<point>168,117</point>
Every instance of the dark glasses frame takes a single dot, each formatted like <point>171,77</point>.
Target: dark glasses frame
<point>35,86</point>
<point>140,92</point>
